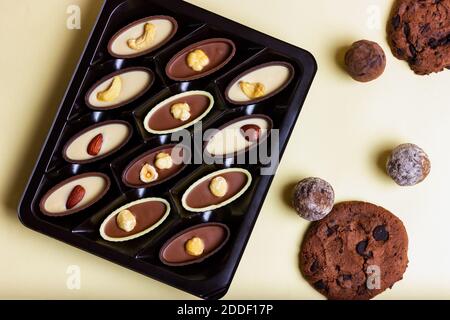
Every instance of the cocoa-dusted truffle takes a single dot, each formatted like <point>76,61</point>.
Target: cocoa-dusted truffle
<point>365,61</point>
<point>313,198</point>
<point>408,165</point>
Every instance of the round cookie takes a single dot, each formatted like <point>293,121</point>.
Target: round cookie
<point>356,252</point>
<point>419,32</point>
<point>365,61</point>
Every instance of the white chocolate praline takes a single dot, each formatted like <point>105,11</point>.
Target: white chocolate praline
<point>272,77</point>
<point>169,101</point>
<point>56,201</point>
<point>133,83</point>
<point>230,139</point>
<point>141,233</point>
<point>212,175</point>
<point>114,134</point>
<point>163,29</point>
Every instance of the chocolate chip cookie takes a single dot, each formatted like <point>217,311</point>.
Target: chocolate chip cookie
<point>356,252</point>
<point>419,32</point>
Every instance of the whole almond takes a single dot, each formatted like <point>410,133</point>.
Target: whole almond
<point>75,196</point>
<point>95,145</point>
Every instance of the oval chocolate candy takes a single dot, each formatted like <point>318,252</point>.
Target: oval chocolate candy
<point>213,236</point>
<point>97,141</point>
<point>119,88</point>
<point>162,119</point>
<point>200,198</point>
<point>259,83</point>
<point>167,161</point>
<point>239,135</point>
<point>74,194</point>
<point>200,59</point>
<point>147,214</point>
<point>142,36</point>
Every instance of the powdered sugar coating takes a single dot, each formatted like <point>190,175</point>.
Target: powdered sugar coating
<point>313,198</point>
<point>408,165</point>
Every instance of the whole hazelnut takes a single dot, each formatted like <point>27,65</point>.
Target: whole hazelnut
<point>408,165</point>
<point>218,186</point>
<point>195,247</point>
<point>365,61</point>
<point>126,220</point>
<point>313,198</point>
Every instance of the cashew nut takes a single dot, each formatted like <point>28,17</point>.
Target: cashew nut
<point>145,39</point>
<point>112,92</point>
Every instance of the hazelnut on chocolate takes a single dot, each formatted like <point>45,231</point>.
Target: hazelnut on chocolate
<point>195,246</point>
<point>163,161</point>
<point>218,186</point>
<point>126,220</point>
<point>197,60</point>
<point>181,111</point>
<point>148,173</point>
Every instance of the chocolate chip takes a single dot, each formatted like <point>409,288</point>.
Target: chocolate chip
<point>396,21</point>
<point>412,50</point>
<point>347,277</point>
<point>425,28</point>
<point>380,233</point>
<point>400,51</point>
<point>406,30</point>
<point>433,43</point>
<point>361,248</point>
<point>314,266</point>
<point>320,285</point>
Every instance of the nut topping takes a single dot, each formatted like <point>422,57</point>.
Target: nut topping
<point>252,90</point>
<point>75,197</point>
<point>145,39</point>
<point>195,246</point>
<point>95,145</point>
<point>197,60</point>
<point>251,132</point>
<point>181,111</point>
<point>126,220</point>
<point>113,91</point>
<point>163,161</point>
<point>218,186</point>
<point>148,173</point>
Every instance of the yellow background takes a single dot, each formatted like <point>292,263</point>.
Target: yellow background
<point>342,136</point>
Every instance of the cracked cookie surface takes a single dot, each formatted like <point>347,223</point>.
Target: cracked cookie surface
<point>340,252</point>
<point>419,32</point>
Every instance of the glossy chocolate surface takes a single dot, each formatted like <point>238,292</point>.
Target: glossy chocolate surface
<point>213,235</point>
<point>242,142</point>
<point>111,105</point>
<point>146,214</point>
<point>108,135</point>
<point>158,42</point>
<point>265,78</point>
<point>160,119</point>
<point>219,51</point>
<point>131,174</point>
